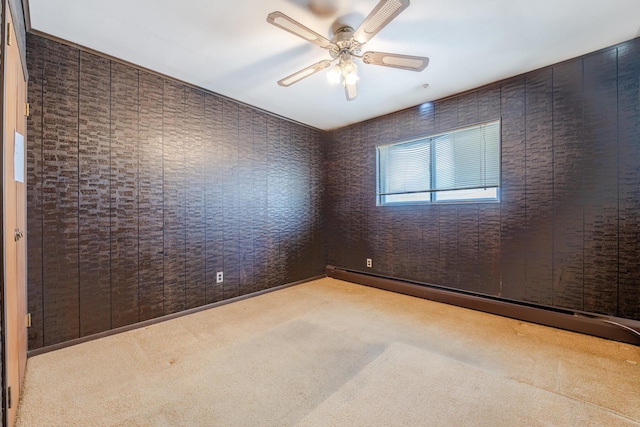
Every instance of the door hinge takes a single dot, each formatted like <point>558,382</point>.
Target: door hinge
<point>9,397</point>
<point>28,321</point>
<point>8,33</point>
<point>26,109</point>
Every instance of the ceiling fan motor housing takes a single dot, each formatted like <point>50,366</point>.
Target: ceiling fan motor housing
<point>343,40</point>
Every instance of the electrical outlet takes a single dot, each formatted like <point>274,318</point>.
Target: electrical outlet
<point>219,277</point>
<point>369,262</point>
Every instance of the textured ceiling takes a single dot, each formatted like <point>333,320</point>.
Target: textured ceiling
<point>227,46</point>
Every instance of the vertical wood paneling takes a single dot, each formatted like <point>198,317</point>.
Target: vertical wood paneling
<point>448,256</point>
<point>298,201</point>
<point>309,187</point>
<point>489,245</point>
<point>369,136</point>
<point>560,174</point>
<point>568,165</point>
<point>384,260</point>
<point>2,322</point>
<point>538,236</point>
<point>151,198</point>
<point>446,114</point>
<point>566,230</point>
<point>489,103</point>
<point>489,218</point>
<point>35,162</point>
<point>282,193</point>
<point>273,139</point>
<point>319,197</point>
<point>469,246</point>
<point>214,236</point>
<point>512,190</point>
<point>230,198</point>
<point>141,189</point>
<point>195,164</point>
<point>317,147</point>
<point>336,202</point>
<point>340,218</point>
<point>354,193</point>
<point>347,187</point>
<point>291,245</point>
<point>367,198</point>
<point>313,197</point>
<point>330,205</point>
<point>431,245</point>
<point>124,195</point>
<point>468,226</point>
<point>60,193</point>
<point>399,126</point>
<point>404,124</point>
<point>600,183</point>
<point>399,254</point>
<point>468,109</point>
<point>425,119</point>
<point>94,200</point>
<point>413,228</point>
<point>245,198</point>
<point>446,118</point>
<point>174,197</point>
<point>629,179</point>
<point>303,194</point>
<point>259,205</point>
<point>342,202</point>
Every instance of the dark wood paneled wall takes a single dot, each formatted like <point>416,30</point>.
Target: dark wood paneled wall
<point>141,188</point>
<point>566,232</point>
<point>628,89</point>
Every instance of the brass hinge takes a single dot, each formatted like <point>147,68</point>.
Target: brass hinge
<point>28,321</point>
<point>9,397</point>
<point>8,33</point>
<point>26,109</point>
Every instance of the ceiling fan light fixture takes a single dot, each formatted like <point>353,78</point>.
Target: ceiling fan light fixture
<point>335,74</point>
<point>350,73</point>
<point>351,79</point>
<point>345,72</point>
<point>349,67</point>
<point>346,44</point>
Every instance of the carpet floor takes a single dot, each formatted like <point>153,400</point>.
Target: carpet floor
<point>332,353</point>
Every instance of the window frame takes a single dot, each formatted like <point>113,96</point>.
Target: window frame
<point>432,159</point>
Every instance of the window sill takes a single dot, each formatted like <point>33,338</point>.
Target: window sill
<point>442,202</point>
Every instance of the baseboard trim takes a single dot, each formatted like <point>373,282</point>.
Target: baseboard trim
<point>149,322</point>
<point>613,328</point>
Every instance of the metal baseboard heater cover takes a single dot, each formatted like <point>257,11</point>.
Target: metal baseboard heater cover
<point>613,328</point>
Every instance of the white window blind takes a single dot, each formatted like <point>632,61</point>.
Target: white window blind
<point>407,170</point>
<point>456,164</point>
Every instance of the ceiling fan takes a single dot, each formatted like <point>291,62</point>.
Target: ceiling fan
<point>346,44</point>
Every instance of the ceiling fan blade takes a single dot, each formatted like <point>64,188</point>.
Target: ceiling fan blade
<point>379,17</point>
<point>281,20</point>
<point>405,62</point>
<point>351,91</point>
<point>304,73</point>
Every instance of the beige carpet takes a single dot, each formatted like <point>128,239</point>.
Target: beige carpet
<point>331,353</point>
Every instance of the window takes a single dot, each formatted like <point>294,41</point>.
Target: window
<point>461,165</point>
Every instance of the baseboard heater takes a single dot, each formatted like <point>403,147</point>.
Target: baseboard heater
<point>613,328</point>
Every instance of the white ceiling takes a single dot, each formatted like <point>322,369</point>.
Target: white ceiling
<point>227,46</point>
